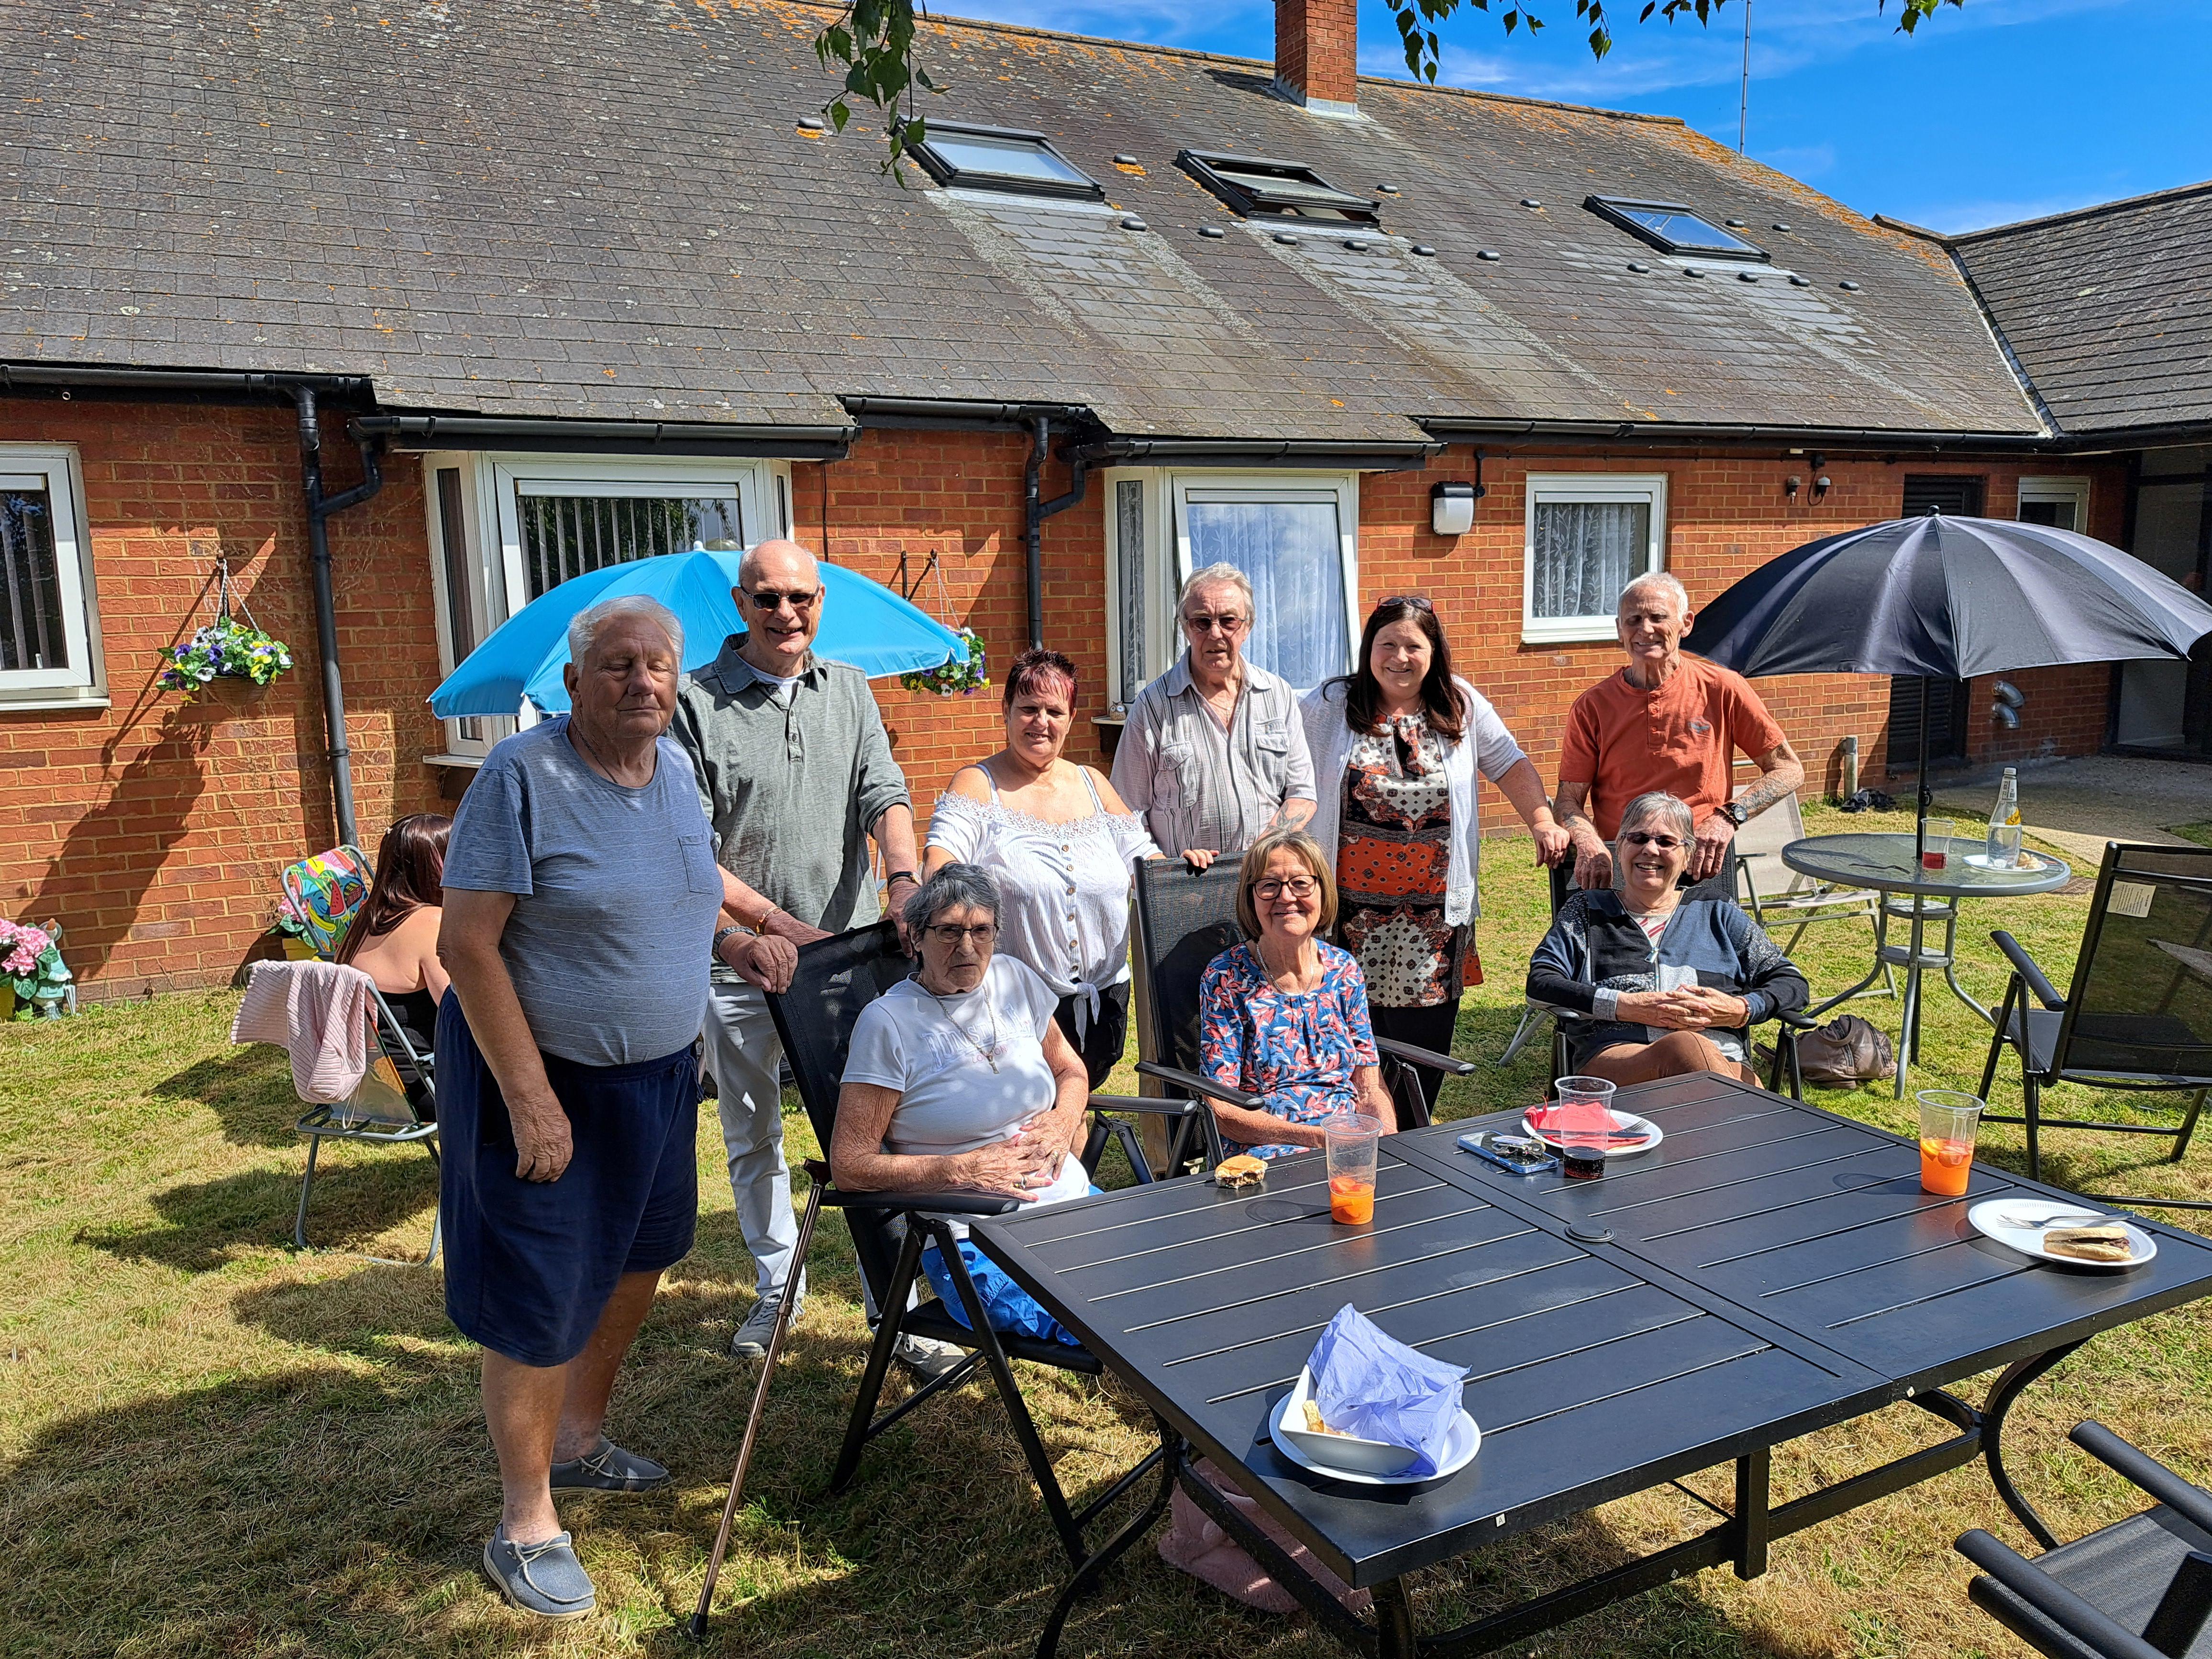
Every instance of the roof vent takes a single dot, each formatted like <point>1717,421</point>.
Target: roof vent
<point>1796,281</point>
<point>1286,239</point>
<point>1211,233</point>
<point>1387,190</point>
<point>1639,267</point>
<point>1132,222</point>
<point>1530,201</point>
<point>1849,288</point>
<point>1490,254</point>
<point>1736,224</point>
<point>1125,161</point>
<point>811,125</point>
<point>1779,226</point>
<point>1741,275</point>
<point>1424,250</point>
<point>1355,244</point>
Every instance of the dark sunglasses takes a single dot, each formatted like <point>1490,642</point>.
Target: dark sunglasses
<point>768,600</point>
<point>1419,602</point>
<point>1645,838</point>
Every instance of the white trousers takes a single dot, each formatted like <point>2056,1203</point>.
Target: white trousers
<point>743,1053</point>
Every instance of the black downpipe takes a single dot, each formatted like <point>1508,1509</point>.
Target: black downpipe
<point>1039,510</point>
<point>320,509</point>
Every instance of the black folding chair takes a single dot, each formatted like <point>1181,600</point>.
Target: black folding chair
<point>1722,885</point>
<point>836,978</point>
<point>1184,920</point>
<point>2138,1016</point>
<point>2140,1588</point>
<point>394,1104</point>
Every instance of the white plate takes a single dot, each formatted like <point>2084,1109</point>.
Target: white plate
<point>1617,1149</point>
<point>1463,1440</point>
<point>1992,1216</point>
<point>2029,864</point>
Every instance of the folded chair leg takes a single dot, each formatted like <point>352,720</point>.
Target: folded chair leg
<point>1997,1037</point>
<point>2188,1128</point>
<point>2033,1094</point>
<point>783,1318</point>
<point>1017,1414</point>
<point>306,1186</point>
<point>879,1361</point>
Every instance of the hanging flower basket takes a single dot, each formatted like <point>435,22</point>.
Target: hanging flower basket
<point>231,647</point>
<point>952,678</point>
<point>31,967</point>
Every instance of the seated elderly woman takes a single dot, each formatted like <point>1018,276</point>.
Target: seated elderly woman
<point>959,1079</point>
<point>1284,1015</point>
<point>1670,981</point>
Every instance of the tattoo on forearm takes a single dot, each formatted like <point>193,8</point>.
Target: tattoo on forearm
<point>1289,815</point>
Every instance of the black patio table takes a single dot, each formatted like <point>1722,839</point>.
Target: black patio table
<point>1770,1269</point>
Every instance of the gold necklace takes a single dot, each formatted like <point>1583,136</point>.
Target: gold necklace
<point>985,1054</point>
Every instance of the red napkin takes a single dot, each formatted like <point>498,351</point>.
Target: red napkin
<point>1573,1117</point>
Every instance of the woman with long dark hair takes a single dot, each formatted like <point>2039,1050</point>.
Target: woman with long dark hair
<point>1396,746</point>
<point>394,939</point>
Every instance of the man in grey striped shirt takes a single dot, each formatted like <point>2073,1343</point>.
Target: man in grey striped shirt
<point>1214,753</point>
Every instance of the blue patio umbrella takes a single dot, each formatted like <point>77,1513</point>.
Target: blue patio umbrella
<point>863,622</point>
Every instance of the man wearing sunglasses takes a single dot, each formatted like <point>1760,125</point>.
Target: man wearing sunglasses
<point>1669,724</point>
<point>1214,753</point>
<point>796,774</point>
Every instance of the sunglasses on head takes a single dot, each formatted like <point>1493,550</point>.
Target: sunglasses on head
<point>1419,602</point>
<point>1645,838</point>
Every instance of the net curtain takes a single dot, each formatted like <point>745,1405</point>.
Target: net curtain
<point>1292,554</point>
<point>1586,552</point>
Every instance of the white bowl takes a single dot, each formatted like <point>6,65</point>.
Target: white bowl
<point>1343,1451</point>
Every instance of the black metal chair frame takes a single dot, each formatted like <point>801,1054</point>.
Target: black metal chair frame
<point>334,1122</point>
<point>1787,1026</point>
<point>2038,1599</point>
<point>1157,960</point>
<point>891,1229</point>
<point>2015,1021</point>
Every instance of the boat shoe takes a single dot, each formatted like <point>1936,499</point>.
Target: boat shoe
<point>608,1468</point>
<point>545,1578</point>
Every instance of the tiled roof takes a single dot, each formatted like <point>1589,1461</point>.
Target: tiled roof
<point>2109,310</point>
<point>606,211</point>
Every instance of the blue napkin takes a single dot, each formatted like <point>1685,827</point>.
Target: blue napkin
<point>1373,1386</point>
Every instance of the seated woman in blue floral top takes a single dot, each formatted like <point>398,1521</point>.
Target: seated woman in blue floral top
<point>1284,1015</point>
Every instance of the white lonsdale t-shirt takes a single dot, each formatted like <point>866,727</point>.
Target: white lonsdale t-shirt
<point>969,1069</point>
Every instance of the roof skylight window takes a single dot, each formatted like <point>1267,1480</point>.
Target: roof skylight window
<point>1672,228</point>
<point>1000,158</point>
<point>1257,187</point>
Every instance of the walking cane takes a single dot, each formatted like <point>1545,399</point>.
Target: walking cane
<point>817,1175</point>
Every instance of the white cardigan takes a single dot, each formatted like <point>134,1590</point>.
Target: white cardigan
<point>1494,751</point>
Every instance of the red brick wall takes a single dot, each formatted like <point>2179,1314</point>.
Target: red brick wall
<point>1317,48</point>
<point>154,830</point>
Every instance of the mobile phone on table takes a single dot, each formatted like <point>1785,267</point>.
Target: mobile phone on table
<point>1520,1154</point>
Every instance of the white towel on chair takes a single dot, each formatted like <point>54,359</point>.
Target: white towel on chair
<point>318,1012</point>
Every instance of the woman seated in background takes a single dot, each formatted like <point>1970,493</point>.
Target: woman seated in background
<point>1058,844</point>
<point>1284,1015</point>
<point>1609,955</point>
<point>394,937</point>
<point>959,1079</point>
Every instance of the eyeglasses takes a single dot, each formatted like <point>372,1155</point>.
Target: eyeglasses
<point>768,599</point>
<point>1419,602</point>
<point>1298,887</point>
<point>1645,838</point>
<point>1227,625</point>
<point>980,935</point>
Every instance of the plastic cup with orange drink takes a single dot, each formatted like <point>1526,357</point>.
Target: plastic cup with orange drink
<point>1352,1139</point>
<point>1947,1121</point>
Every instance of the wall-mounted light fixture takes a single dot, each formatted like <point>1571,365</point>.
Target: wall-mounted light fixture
<point>1821,487</point>
<point>1791,485</point>
<point>1451,508</point>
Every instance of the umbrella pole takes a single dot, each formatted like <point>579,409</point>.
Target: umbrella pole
<point>1920,830</point>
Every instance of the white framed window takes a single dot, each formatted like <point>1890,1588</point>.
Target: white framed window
<point>2063,503</point>
<point>506,529</point>
<point>49,609</point>
<point>1588,535</point>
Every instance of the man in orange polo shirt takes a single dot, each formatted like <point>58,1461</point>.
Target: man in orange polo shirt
<point>1665,721</point>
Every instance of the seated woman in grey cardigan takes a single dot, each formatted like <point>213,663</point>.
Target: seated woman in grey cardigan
<point>1668,982</point>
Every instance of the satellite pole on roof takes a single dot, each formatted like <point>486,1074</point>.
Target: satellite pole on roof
<point>1743,102</point>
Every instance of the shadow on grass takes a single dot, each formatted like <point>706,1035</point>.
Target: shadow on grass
<point>249,1089</point>
<point>357,1198</point>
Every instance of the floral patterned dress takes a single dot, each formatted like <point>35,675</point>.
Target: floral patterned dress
<point>1297,1048</point>
<point>1392,859</point>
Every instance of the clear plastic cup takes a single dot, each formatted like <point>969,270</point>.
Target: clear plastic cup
<point>2004,841</point>
<point>1352,1141</point>
<point>1935,848</point>
<point>1947,1121</point>
<point>1583,1147</point>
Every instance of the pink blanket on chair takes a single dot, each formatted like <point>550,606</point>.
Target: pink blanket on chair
<point>318,1012</point>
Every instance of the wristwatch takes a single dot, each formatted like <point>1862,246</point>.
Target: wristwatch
<point>722,933</point>
<point>1734,814</point>
<point>902,875</point>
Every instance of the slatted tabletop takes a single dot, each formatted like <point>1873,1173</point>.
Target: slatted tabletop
<point>1772,1268</point>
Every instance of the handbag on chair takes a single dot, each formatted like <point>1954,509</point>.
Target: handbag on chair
<point>1846,1052</point>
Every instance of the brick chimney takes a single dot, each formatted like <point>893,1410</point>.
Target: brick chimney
<point>1317,54</point>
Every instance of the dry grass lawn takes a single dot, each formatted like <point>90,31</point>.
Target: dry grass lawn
<point>216,1446</point>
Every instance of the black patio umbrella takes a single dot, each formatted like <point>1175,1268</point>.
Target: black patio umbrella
<point>1947,598</point>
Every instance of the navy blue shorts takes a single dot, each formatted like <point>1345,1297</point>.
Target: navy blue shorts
<point>530,1265</point>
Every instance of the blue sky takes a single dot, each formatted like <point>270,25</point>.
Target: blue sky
<point>2001,110</point>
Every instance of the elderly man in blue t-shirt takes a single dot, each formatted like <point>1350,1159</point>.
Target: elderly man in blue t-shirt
<point>580,897</point>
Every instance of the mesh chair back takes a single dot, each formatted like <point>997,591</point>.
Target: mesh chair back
<point>836,977</point>
<point>1758,847</point>
<point>1183,921</point>
<point>2141,1004</point>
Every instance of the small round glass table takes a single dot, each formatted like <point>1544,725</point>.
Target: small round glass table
<point>1884,861</point>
